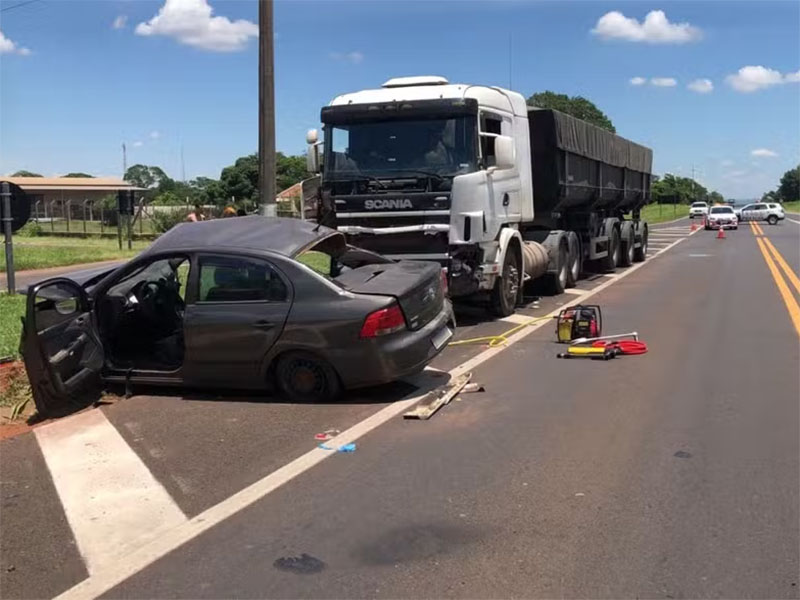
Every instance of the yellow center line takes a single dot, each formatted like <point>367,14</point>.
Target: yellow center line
<point>790,275</point>
<point>758,228</point>
<point>752,227</point>
<point>786,293</point>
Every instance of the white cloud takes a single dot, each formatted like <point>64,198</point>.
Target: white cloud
<point>154,135</point>
<point>753,78</point>
<point>191,23</point>
<point>701,86</point>
<point>9,47</point>
<point>726,163</point>
<point>763,152</point>
<point>664,81</point>
<point>351,57</point>
<point>655,29</point>
<point>138,144</point>
<point>637,80</point>
<point>120,22</point>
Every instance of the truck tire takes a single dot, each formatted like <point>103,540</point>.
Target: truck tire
<point>640,253</point>
<point>609,262</point>
<point>558,280</point>
<point>575,259</point>
<point>506,287</point>
<point>628,246</point>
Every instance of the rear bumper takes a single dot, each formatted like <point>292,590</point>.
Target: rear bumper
<point>381,360</point>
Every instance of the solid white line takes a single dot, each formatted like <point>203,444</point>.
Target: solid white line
<point>135,561</point>
<point>792,220</point>
<point>574,291</point>
<point>111,500</point>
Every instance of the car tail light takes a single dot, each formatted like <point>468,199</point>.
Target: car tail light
<point>383,322</point>
<point>445,288</point>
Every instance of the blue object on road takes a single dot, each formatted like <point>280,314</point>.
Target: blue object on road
<point>346,448</point>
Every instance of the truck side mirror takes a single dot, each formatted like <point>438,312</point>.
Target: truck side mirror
<point>504,152</point>
<point>313,162</point>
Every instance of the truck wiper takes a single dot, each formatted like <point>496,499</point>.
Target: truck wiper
<point>359,177</point>
<point>422,172</point>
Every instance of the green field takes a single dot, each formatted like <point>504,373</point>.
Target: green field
<point>53,251</point>
<point>792,207</point>
<point>12,307</point>
<point>660,213</point>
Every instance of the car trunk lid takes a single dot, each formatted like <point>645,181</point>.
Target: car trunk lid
<point>417,286</point>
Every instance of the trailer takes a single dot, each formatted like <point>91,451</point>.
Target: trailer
<point>499,193</point>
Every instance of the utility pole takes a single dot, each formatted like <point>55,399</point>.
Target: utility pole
<point>266,111</point>
<point>5,198</point>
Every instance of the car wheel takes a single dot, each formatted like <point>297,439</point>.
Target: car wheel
<point>303,377</point>
<point>609,262</point>
<point>736,228</point>
<point>506,288</point>
<point>640,253</point>
<point>772,220</point>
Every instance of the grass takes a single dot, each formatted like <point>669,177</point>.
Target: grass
<point>12,307</point>
<point>53,251</point>
<point>76,226</point>
<point>792,207</point>
<point>660,213</point>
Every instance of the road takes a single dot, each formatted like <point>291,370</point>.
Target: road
<point>673,474</point>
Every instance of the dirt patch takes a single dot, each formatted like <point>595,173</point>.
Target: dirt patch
<point>16,402</point>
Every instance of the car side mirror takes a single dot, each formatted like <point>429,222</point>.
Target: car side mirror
<point>504,152</point>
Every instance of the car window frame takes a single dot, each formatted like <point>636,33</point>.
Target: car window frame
<point>115,277</point>
<point>237,255</point>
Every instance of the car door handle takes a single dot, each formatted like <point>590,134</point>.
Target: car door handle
<point>264,325</point>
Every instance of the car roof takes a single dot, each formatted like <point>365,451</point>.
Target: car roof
<point>270,234</point>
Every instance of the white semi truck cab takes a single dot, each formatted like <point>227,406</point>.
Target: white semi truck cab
<point>425,169</point>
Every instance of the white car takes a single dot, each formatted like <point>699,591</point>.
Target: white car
<point>771,212</point>
<point>698,209</point>
<point>722,217</point>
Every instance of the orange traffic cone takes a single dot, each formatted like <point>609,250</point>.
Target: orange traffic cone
<point>694,227</point>
<point>721,233</point>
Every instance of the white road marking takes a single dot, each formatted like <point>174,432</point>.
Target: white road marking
<point>117,572</point>
<point>111,500</point>
<point>574,291</point>
<point>792,220</point>
<point>516,319</point>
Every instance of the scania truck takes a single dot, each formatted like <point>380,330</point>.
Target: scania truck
<point>497,191</point>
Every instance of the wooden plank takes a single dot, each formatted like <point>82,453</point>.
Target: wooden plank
<point>436,399</point>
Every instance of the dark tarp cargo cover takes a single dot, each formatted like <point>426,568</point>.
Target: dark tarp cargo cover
<point>584,139</point>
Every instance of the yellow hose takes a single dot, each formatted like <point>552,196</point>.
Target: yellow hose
<point>498,340</point>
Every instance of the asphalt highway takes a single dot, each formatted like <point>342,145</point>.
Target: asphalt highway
<point>675,474</point>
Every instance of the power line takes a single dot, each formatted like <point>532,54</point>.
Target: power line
<point>7,8</point>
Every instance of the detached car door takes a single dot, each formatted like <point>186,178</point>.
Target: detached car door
<point>239,311</point>
<point>62,351</point>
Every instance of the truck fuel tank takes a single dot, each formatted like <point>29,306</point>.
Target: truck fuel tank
<point>535,259</point>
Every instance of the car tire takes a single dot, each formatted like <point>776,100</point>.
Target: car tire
<point>736,228</point>
<point>609,262</point>
<point>506,288</point>
<point>640,253</point>
<point>303,377</point>
<point>772,220</point>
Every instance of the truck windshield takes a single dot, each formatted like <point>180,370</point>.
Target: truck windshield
<point>397,147</point>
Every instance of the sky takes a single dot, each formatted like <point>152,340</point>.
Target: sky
<point>712,87</point>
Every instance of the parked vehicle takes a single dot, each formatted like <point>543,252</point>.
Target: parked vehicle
<point>698,209</point>
<point>771,212</point>
<point>238,303</point>
<point>721,217</point>
<point>470,176</point>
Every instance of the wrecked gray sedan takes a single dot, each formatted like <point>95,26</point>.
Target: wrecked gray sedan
<point>238,303</point>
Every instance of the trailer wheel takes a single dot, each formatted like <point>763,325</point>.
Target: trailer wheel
<point>627,250</point>
<point>609,262</point>
<point>559,279</point>
<point>506,287</point>
<point>575,259</point>
<point>640,253</point>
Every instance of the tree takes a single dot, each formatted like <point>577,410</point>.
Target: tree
<point>577,106</point>
<point>771,196</point>
<point>672,189</point>
<point>240,180</point>
<point>715,198</point>
<point>79,174</point>
<point>289,170</point>
<point>24,173</point>
<point>144,176</point>
<point>789,189</point>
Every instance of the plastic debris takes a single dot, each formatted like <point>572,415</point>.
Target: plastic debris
<point>327,435</point>
<point>471,388</point>
<point>345,448</point>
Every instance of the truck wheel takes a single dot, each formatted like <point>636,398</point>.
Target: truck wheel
<point>609,262</point>
<point>640,253</point>
<point>302,377</point>
<point>772,220</point>
<point>558,280</point>
<point>575,262</point>
<point>506,287</point>
<point>627,248</point>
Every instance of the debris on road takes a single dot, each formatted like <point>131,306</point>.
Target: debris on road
<point>305,564</point>
<point>436,399</point>
<point>471,388</point>
<point>345,448</point>
<point>327,435</point>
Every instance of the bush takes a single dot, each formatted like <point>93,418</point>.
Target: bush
<point>165,220</point>
<point>30,229</point>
